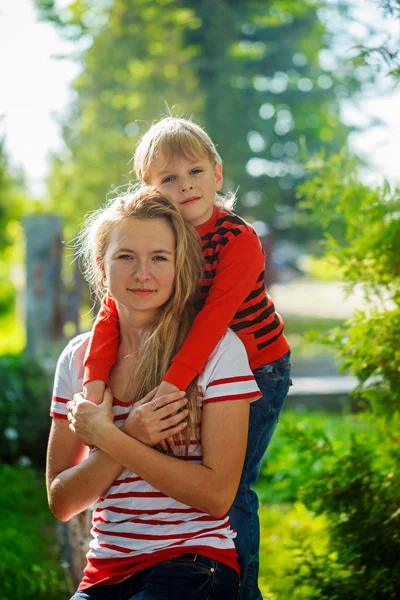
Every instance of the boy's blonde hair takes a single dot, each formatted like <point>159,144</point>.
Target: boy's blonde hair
<point>175,138</point>
<point>165,336</point>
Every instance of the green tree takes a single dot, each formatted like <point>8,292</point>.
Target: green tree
<point>248,71</point>
<point>356,485</point>
<point>10,198</point>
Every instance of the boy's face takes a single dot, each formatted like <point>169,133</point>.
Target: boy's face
<point>191,184</point>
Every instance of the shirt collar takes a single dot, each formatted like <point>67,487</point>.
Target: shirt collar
<point>209,225</point>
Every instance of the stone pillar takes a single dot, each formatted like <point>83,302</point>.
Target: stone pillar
<point>44,315</point>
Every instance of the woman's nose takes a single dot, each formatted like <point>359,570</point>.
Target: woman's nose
<point>142,273</point>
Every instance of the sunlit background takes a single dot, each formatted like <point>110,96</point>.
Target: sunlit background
<point>281,87</point>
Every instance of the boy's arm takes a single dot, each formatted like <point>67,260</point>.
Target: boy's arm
<point>241,263</point>
<point>102,349</point>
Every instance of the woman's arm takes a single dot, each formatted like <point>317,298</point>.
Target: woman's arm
<point>75,479</point>
<point>211,486</point>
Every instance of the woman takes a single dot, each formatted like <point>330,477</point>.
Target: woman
<point>160,528</point>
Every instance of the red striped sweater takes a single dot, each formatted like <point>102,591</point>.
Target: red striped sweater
<point>233,295</point>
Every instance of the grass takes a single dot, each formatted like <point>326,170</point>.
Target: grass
<point>30,565</point>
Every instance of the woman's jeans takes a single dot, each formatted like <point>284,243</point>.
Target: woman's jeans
<point>188,577</point>
<point>273,381</point>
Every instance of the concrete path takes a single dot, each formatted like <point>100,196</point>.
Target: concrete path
<point>308,298</point>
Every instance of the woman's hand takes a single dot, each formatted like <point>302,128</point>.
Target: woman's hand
<point>89,421</point>
<point>154,420</point>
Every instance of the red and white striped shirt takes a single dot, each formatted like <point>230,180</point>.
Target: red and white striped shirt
<point>135,525</point>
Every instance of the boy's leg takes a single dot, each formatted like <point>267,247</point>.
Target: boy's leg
<point>273,381</point>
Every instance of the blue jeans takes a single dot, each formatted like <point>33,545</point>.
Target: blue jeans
<point>188,577</point>
<point>273,381</point>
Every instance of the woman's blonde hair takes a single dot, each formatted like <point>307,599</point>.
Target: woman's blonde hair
<point>175,138</point>
<point>166,334</point>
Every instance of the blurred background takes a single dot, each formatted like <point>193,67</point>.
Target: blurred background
<point>301,101</point>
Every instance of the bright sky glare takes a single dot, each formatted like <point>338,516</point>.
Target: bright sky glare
<point>35,92</point>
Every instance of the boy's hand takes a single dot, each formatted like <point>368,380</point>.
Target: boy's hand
<point>94,391</point>
<point>151,420</point>
<point>163,389</point>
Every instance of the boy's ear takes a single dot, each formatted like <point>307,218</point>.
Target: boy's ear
<point>219,178</point>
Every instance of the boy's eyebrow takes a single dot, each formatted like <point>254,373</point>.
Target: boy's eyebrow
<point>170,170</point>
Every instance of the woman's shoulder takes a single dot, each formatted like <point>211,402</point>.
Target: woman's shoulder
<point>230,343</point>
<point>227,374</point>
<point>74,351</point>
<point>228,355</point>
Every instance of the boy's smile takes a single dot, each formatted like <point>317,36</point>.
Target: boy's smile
<point>191,183</point>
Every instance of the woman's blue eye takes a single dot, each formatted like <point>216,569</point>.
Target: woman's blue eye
<point>159,258</point>
<point>124,256</point>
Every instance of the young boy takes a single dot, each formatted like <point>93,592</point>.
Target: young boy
<point>179,159</point>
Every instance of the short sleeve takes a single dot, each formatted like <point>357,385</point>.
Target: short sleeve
<point>227,374</point>
<point>68,376</point>
<point>62,389</point>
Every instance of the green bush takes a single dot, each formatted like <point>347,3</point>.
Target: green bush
<point>30,566</point>
<point>290,536</point>
<point>287,465</point>
<point>353,484</point>
<point>24,409</point>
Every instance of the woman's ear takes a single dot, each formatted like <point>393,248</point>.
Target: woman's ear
<point>100,266</point>
<point>219,178</point>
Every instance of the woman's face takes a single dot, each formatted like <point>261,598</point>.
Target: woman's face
<point>139,264</point>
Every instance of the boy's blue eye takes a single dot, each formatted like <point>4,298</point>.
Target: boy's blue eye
<point>168,179</point>
<point>196,171</point>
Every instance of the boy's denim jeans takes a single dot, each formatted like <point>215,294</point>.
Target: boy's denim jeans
<point>188,577</point>
<point>273,381</point>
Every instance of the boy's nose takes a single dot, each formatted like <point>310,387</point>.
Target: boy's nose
<point>186,185</point>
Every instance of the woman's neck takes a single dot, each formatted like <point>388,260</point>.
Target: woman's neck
<point>133,324</point>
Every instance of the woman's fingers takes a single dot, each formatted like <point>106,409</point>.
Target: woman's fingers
<point>174,420</point>
<point>164,410</point>
<point>148,397</point>
<point>173,436</point>
<point>165,401</point>
<point>163,445</point>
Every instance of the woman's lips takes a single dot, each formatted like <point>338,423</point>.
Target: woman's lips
<point>141,291</point>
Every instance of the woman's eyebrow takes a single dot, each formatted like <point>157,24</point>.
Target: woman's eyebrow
<point>162,251</point>
<point>125,250</point>
<point>158,251</point>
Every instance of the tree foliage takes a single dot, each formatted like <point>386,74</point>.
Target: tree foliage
<point>356,486</point>
<point>250,72</point>
<point>10,200</point>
